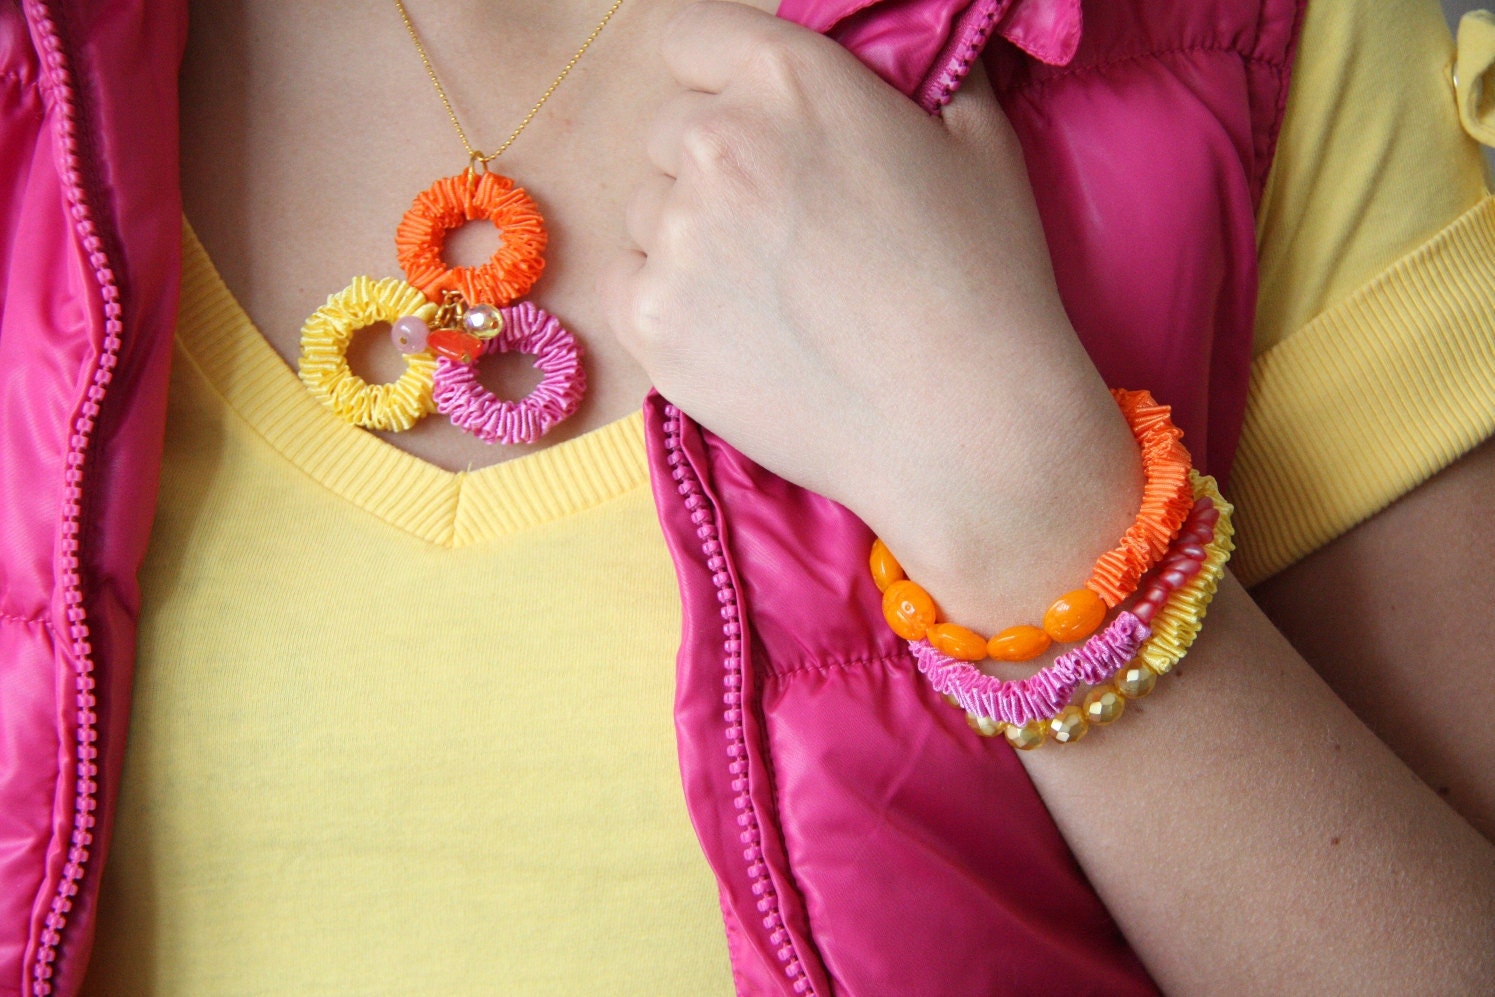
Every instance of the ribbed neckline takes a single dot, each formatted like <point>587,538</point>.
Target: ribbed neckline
<point>444,508</point>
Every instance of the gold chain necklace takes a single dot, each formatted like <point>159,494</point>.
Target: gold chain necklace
<point>475,158</point>
<point>444,319</point>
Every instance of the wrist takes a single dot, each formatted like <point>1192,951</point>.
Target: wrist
<point>994,546</point>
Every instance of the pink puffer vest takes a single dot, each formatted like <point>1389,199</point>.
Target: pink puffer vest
<point>864,841</point>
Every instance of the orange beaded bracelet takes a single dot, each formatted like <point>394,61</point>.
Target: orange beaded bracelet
<point>1166,499</point>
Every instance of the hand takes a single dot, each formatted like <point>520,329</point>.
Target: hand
<point>859,297</point>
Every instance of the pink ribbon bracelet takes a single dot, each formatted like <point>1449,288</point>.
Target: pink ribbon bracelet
<point>1043,695</point>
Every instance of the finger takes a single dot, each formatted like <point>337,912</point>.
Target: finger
<point>616,290</point>
<point>664,143</point>
<point>710,43</point>
<point>645,208</point>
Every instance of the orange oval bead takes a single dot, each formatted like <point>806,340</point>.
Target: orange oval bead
<point>1074,616</point>
<point>1022,643</point>
<point>908,609</point>
<point>957,641</point>
<point>885,567</point>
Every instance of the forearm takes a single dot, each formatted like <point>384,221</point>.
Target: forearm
<point>1249,832</point>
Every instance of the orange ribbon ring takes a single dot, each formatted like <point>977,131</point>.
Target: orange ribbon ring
<point>454,201</point>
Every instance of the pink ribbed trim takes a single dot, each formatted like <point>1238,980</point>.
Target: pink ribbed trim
<point>85,734</point>
<point>1043,695</point>
<point>689,489</point>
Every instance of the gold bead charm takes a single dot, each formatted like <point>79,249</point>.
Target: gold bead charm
<point>1069,726</point>
<point>1103,705</point>
<point>1135,680</point>
<point>985,726</point>
<point>1028,736</point>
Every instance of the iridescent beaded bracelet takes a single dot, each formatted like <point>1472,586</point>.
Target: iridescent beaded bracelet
<point>1168,613</point>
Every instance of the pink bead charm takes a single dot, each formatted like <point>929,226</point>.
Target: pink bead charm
<point>409,334</point>
<point>1184,560</point>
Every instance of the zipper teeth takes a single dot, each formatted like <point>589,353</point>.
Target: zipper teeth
<point>689,489</point>
<point>85,787</point>
<point>950,79</point>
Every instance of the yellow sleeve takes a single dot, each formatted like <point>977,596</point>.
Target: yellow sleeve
<point>1375,333</point>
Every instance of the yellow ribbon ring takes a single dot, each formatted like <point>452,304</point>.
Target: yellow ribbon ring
<point>323,365</point>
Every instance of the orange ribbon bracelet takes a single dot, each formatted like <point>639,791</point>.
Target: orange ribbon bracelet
<point>1167,497</point>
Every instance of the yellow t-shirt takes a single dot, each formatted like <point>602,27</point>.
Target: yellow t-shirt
<point>396,730</point>
<point>403,731</point>
<point>1375,334</point>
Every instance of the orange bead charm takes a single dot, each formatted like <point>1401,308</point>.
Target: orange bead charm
<point>1074,616</point>
<point>957,641</point>
<point>459,346</point>
<point>1020,643</point>
<point>885,567</point>
<point>908,609</point>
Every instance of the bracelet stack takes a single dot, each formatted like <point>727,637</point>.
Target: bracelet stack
<point>1168,564</point>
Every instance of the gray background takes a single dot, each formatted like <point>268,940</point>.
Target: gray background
<point>1456,9</point>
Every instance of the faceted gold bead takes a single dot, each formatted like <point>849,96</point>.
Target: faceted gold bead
<point>985,726</point>
<point>1069,726</point>
<point>483,321</point>
<point>1028,736</point>
<point>1135,680</point>
<point>1103,705</point>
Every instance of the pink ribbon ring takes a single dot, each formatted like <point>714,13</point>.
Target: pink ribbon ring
<point>476,410</point>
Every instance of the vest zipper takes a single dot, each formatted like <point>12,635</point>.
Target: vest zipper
<point>708,531</point>
<point>59,80</point>
<point>936,93</point>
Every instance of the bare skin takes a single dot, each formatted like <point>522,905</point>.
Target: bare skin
<point>1251,833</point>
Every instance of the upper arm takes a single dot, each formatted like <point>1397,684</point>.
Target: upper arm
<point>1395,616</point>
<point>1374,369</point>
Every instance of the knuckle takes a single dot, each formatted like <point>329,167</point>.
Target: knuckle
<point>686,23</point>
<point>688,16</point>
<point>646,317</point>
<point>711,144</point>
<point>782,66</point>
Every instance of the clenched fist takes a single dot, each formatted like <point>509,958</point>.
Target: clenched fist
<point>858,296</point>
